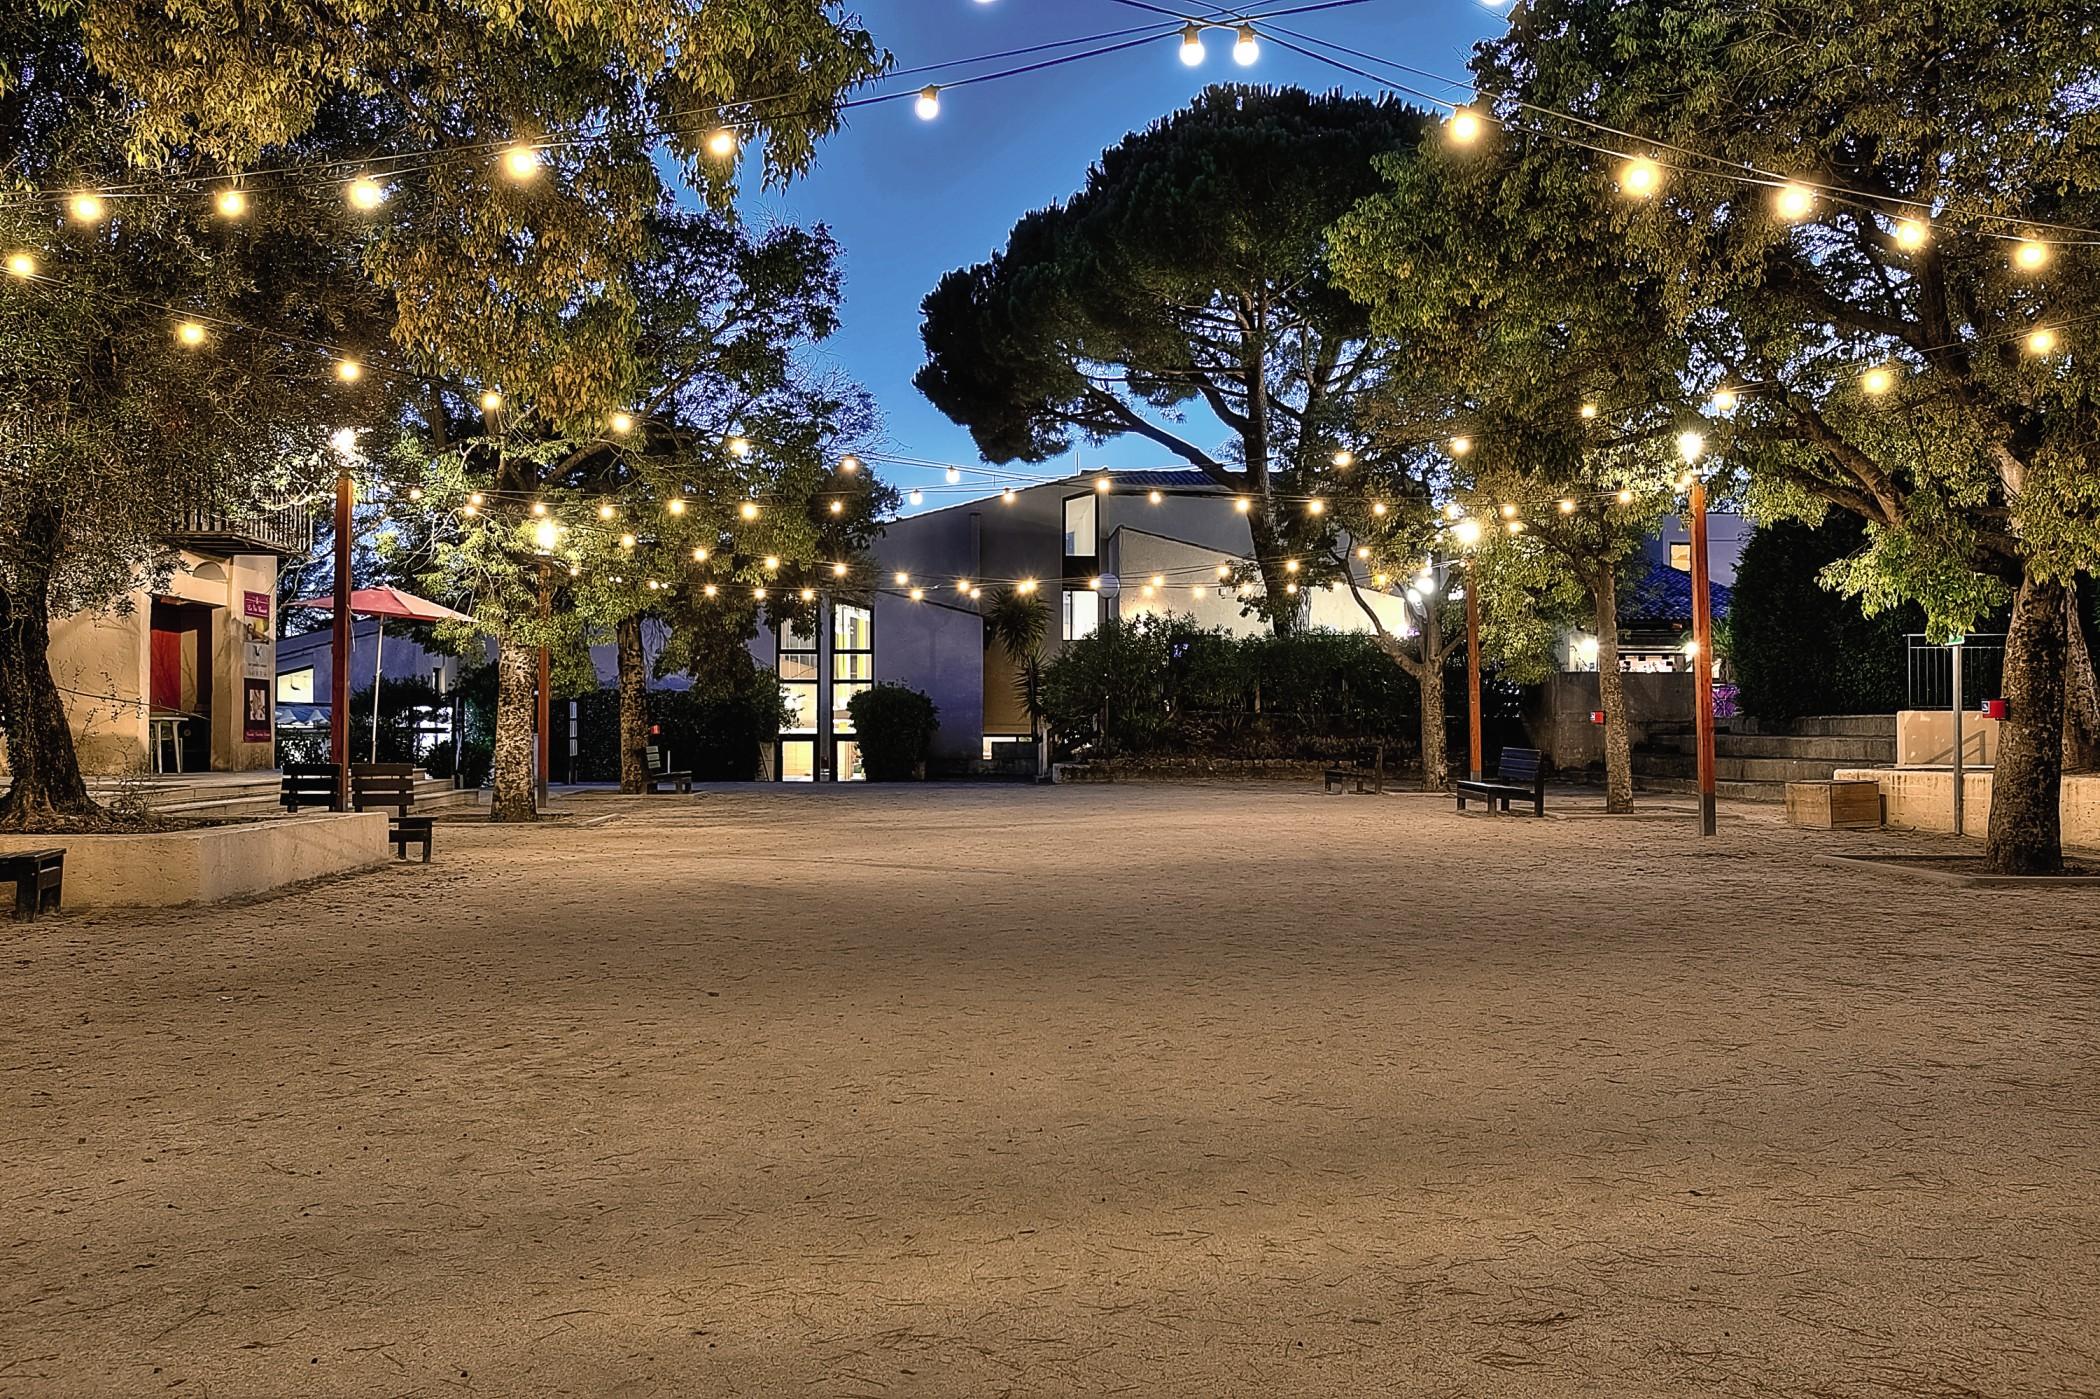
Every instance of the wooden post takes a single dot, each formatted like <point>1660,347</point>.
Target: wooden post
<point>1475,765</point>
<point>541,718</point>
<point>1702,658</point>
<point>339,646</point>
<point>1958,755</point>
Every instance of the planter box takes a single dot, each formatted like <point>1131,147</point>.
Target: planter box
<point>160,868</point>
<point>1834,806</point>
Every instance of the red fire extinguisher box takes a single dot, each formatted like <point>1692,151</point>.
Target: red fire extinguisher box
<point>1994,709</point>
<point>1596,716</point>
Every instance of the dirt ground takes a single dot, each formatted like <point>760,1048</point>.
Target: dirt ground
<point>1102,1090</point>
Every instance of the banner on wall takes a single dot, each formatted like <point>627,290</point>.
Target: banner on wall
<point>255,711</point>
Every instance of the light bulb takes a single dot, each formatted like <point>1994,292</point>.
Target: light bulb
<point>21,265</point>
<point>1378,508</point>
<point>710,590</point>
<point>1640,177</point>
<point>917,497</point>
<point>1101,483</point>
<point>1454,511</point>
<point>1461,445</point>
<point>521,162</point>
<point>1465,126</point>
<point>1509,512</point>
<point>2041,340</point>
<point>918,594</point>
<point>87,207</point>
<point>1690,444</point>
<point>1912,234</point>
<point>365,193</point>
<point>621,423</point>
<point>749,510</point>
<point>190,333</point>
<point>1468,532</point>
<point>1587,411</point>
<point>415,492</point>
<point>809,594</point>
<point>1794,201</point>
<point>1877,381</point>
<point>1245,48</point>
<point>1625,496</point>
<point>929,104</point>
<point>1315,507</point>
<point>1192,44</point>
<point>740,447</point>
<point>772,563</point>
<point>902,578</point>
<point>1154,497</point>
<point>676,507</point>
<point>1025,586</point>
<point>838,570</point>
<point>953,475</point>
<point>627,541</point>
<point>700,555</point>
<point>1290,566</point>
<point>1344,459</point>
<point>1242,504</point>
<point>606,511</point>
<point>491,401</point>
<point>545,535</point>
<point>1725,400</point>
<point>849,464</point>
<point>231,203</point>
<point>838,507</point>
<point>2031,254</point>
<point>477,499</point>
<point>722,144</point>
<point>1009,495</point>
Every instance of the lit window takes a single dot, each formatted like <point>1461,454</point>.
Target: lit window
<point>296,687</point>
<point>1082,613</point>
<point>1082,526</point>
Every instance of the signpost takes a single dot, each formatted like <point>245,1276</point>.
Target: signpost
<point>1954,650</point>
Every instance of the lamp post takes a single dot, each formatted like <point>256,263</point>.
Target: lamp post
<point>1473,760</point>
<point>339,643</point>
<point>1692,445</point>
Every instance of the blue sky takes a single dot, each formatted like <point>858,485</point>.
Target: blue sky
<point>910,199</point>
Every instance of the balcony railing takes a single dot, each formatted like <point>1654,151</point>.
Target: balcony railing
<point>1931,666</point>
<point>263,528</point>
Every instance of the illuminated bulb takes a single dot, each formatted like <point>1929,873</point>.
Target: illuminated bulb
<point>1245,50</point>
<point>415,492</point>
<point>626,541</point>
<point>1094,583</point>
<point>700,555</point>
<point>758,594</point>
<point>809,594</point>
<point>1567,507</point>
<point>1465,126</point>
<point>349,370</point>
<point>1101,483</point>
<point>1912,234</point>
<point>929,104</point>
<point>1192,45</point>
<point>521,162</point>
<point>1725,400</point>
<point>1291,566</point>
<point>190,333</point>
<point>1148,590</point>
<point>749,510</point>
<point>2031,254</point>
<point>1454,511</point>
<point>365,193</point>
<point>621,423</point>
<point>918,594</point>
<point>546,534</point>
<point>231,203</point>
<point>1378,508</point>
<point>1196,591</point>
<point>838,570</point>
<point>849,464</point>
<point>1344,459</point>
<point>1516,526</point>
<point>1877,381</point>
<point>1242,504</point>
<point>2041,340</point>
<point>1794,201</point>
<point>710,590</point>
<point>953,476</point>
<point>1224,570</point>
<point>470,510</point>
<point>1291,588</point>
<point>21,265</point>
<point>1379,580</point>
<point>1159,580</point>
<point>654,585</point>
<point>1468,532</point>
<point>1640,177</point>
<point>1509,512</point>
<point>1461,445</point>
<point>838,507</point>
<point>491,401</point>
<point>1155,497</point>
<point>676,507</point>
<point>1009,495</point>
<point>722,144</point>
<point>902,579</point>
<point>575,571</point>
<point>1625,496</point>
<point>1363,551</point>
<point>1684,481</point>
<point>917,497</point>
<point>87,207</point>
<point>772,562</point>
<point>1588,411</point>
<point>606,512</point>
<point>1315,507</point>
<point>1690,444</point>
<point>962,585</point>
<point>740,447</point>
<point>539,507</point>
<point>477,499</point>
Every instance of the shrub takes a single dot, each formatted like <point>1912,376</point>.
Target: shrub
<point>894,727</point>
<point>1798,648</point>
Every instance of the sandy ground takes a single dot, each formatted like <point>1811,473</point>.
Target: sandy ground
<point>1102,1090</point>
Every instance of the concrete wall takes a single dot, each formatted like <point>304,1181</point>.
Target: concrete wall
<point>212,863</point>
<point>1925,738</point>
<point>937,650</point>
<point>1923,800</point>
<point>1557,714</point>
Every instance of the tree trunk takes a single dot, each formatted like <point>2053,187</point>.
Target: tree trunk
<point>47,788</point>
<point>1279,602</point>
<point>1436,740</point>
<point>2026,830</point>
<point>511,779</point>
<point>2081,691</point>
<point>634,707</point>
<point>1611,696</point>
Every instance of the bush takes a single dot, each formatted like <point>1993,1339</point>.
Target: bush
<point>1798,648</point>
<point>894,727</point>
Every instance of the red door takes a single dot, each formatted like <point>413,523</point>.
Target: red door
<point>165,685</point>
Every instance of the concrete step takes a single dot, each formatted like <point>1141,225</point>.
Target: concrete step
<point>1772,792</point>
<point>1732,769</point>
<point>1861,750</point>
<point>1847,725</point>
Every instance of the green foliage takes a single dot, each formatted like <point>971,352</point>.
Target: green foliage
<point>1798,647</point>
<point>894,726</point>
<point>1188,272</point>
<point>1164,685</point>
<point>717,736</point>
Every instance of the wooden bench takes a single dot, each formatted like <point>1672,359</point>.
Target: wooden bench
<point>311,784</point>
<point>39,876</point>
<point>380,786</point>
<point>1365,768</point>
<point>1520,775</point>
<point>661,773</point>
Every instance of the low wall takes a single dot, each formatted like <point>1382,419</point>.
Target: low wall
<point>1922,799</point>
<point>159,868</point>
<point>1925,738</point>
<point>1557,713</point>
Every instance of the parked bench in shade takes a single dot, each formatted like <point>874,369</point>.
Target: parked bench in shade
<point>662,774</point>
<point>311,784</point>
<point>1366,768</point>
<point>392,786</point>
<point>39,876</point>
<point>1520,775</point>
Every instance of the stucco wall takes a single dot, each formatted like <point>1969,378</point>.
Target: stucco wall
<point>213,863</point>
<point>1925,738</point>
<point>1922,799</point>
<point>939,651</point>
<point>1557,713</point>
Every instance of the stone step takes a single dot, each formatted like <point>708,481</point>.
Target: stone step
<point>1771,792</point>
<point>1861,750</point>
<point>1848,725</point>
<point>1731,769</point>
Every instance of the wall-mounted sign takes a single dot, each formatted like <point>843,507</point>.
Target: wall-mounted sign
<point>255,605</point>
<point>255,711</point>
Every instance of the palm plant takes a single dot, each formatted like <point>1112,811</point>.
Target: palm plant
<point>1018,622</point>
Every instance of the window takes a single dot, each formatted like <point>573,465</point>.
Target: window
<point>798,678</point>
<point>1082,526</point>
<point>1681,557</point>
<point>296,687</point>
<point>1082,609</point>
<point>852,667</point>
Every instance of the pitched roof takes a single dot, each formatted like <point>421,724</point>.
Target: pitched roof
<point>1664,595</point>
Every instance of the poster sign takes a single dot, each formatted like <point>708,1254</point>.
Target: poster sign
<point>255,711</point>
<point>256,605</point>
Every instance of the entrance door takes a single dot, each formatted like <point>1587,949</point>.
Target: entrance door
<point>179,678</point>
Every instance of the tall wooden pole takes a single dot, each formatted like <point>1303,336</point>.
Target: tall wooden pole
<point>339,647</point>
<point>543,706</point>
<point>1475,765</point>
<point>1702,659</point>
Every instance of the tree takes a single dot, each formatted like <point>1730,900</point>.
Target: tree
<point>1017,622</point>
<point>1189,272</point>
<point>1895,320</point>
<point>129,391</point>
<point>1797,647</point>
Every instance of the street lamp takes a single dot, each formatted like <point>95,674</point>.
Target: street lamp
<point>1691,445</point>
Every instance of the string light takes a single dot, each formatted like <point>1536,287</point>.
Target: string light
<point>1516,526</point>
<point>953,475</point>
<point>349,370</point>
<point>1461,445</point>
<point>491,401</point>
<point>1912,234</point>
<point>1587,411</point>
<point>917,497</point>
<point>365,193</point>
<point>1155,497</point>
<point>539,507</point>
<point>1794,202</point>
<point>2041,340</point>
<point>1344,459</point>
<point>749,510</point>
<point>1464,126</point>
<point>838,570</point>
<point>1192,45</point>
<point>710,590</point>
<point>740,447</point>
<point>190,333</point>
<point>918,594</point>
<point>1094,583</point>
<point>962,585</point>
<point>1567,507</point>
<point>1509,512</point>
<point>929,104</point>
<point>21,265</point>
<point>838,507</point>
<point>1159,580</point>
<point>546,534</point>
<point>676,507</point>
<point>1625,496</point>
<point>849,464</point>
<point>1245,50</point>
<point>722,144</point>
<point>1877,381</point>
<point>1640,177</point>
<point>231,203</point>
<point>86,206</point>
<point>700,554</point>
<point>1378,508</point>
<point>809,594</point>
<point>607,511</point>
<point>1242,504</point>
<point>758,594</point>
<point>772,563</point>
<point>1691,443</point>
<point>1363,551</point>
<point>1725,400</point>
<point>1454,511</point>
<point>902,578</point>
<point>1468,532</point>
<point>1009,495</point>
<point>1224,570</point>
<point>621,423</point>
<point>1102,483</point>
<point>1291,588</point>
<point>1316,506</point>
<point>2031,254</point>
<point>477,499</point>
<point>1290,566</point>
<point>627,541</point>
<point>521,162</point>
<point>415,492</point>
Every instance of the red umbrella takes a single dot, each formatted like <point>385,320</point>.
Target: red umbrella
<point>383,603</point>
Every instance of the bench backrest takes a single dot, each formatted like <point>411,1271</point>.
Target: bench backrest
<point>1520,765</point>
<point>382,785</point>
<point>310,784</point>
<point>659,759</point>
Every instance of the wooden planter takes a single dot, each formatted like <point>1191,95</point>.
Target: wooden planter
<point>1834,806</point>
